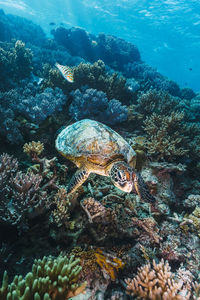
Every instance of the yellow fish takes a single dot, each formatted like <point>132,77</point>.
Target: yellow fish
<point>66,72</point>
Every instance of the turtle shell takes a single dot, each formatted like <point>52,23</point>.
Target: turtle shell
<point>94,142</point>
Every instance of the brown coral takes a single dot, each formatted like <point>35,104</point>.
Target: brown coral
<point>33,148</point>
<point>165,136</point>
<point>157,283</point>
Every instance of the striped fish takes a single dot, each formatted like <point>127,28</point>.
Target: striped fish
<point>66,72</point>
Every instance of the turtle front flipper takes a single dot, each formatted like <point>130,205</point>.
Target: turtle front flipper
<point>142,190</point>
<point>77,180</point>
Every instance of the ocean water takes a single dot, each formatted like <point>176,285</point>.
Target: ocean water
<point>99,150</point>
<point>166,32</point>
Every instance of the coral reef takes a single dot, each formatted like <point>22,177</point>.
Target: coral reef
<point>50,278</point>
<point>94,104</point>
<point>15,64</point>
<point>165,136</point>
<point>157,283</point>
<point>149,78</point>
<point>29,102</point>
<point>112,50</point>
<point>77,234</point>
<point>15,27</point>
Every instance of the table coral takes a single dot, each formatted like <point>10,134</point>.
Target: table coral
<point>50,279</point>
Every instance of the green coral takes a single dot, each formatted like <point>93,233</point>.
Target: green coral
<point>155,101</point>
<point>50,279</point>
<point>165,136</point>
<point>15,63</point>
<point>93,75</point>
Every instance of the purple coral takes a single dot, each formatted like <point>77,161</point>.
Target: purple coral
<point>35,105</point>
<point>94,104</point>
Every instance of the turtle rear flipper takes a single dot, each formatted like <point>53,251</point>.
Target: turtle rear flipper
<point>142,190</point>
<point>77,180</point>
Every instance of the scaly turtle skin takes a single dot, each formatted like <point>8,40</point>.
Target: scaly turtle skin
<point>96,148</point>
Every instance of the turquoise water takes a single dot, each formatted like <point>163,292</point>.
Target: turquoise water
<point>167,33</point>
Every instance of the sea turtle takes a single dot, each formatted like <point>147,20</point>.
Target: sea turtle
<point>96,148</point>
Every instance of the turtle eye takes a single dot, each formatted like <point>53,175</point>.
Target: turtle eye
<point>121,175</point>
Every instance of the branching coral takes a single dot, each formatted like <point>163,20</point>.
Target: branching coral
<point>15,64</point>
<point>61,213</point>
<point>92,75</point>
<point>94,104</point>
<point>33,148</point>
<point>155,101</point>
<point>30,102</point>
<point>165,136</point>
<point>157,283</point>
<point>22,194</point>
<point>50,279</point>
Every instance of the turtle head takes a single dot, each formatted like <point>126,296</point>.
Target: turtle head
<point>128,180</point>
<point>121,176</point>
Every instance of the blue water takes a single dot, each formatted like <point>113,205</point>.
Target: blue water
<point>167,32</point>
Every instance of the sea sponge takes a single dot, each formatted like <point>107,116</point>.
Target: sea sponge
<point>50,279</point>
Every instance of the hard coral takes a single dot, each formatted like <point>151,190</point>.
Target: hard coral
<point>50,279</point>
<point>33,148</point>
<point>165,136</point>
<point>15,64</point>
<point>94,104</point>
<point>157,283</point>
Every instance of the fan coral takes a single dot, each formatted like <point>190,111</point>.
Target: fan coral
<point>50,279</point>
<point>94,104</point>
<point>165,136</point>
<point>157,283</point>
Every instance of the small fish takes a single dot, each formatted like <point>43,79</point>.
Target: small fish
<point>52,24</point>
<point>66,72</point>
<point>190,69</point>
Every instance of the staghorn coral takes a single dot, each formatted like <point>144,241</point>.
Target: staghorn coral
<point>94,104</point>
<point>156,283</point>
<point>165,136</point>
<point>50,279</point>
